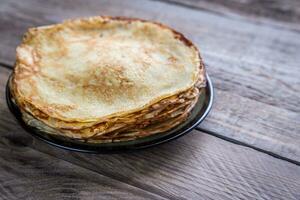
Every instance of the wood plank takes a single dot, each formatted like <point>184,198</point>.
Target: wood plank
<point>256,124</point>
<point>192,167</point>
<point>287,10</point>
<point>254,66</point>
<point>28,174</point>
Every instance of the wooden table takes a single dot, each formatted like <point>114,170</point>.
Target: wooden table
<point>247,148</point>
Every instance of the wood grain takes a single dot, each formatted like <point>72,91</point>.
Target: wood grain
<point>29,174</point>
<point>254,66</point>
<point>288,10</point>
<point>196,166</point>
<point>259,125</point>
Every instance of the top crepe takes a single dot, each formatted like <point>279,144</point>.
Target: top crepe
<point>89,69</point>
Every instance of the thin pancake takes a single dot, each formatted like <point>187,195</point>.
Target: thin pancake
<point>146,113</point>
<point>128,132</point>
<point>89,69</point>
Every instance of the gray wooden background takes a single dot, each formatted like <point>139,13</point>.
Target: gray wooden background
<point>247,148</point>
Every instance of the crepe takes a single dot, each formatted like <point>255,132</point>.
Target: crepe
<point>106,79</point>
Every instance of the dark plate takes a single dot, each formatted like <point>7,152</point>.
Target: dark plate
<point>197,115</point>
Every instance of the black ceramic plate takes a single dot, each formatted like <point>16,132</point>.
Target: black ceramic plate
<point>197,115</point>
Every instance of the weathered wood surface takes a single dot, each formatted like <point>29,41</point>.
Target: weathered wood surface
<point>197,166</point>
<point>29,174</point>
<point>287,10</point>
<point>254,66</point>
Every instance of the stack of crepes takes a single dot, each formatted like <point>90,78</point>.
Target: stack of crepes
<point>106,79</point>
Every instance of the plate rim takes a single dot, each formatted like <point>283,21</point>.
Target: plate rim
<point>104,147</point>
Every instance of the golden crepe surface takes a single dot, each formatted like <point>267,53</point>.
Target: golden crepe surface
<point>105,79</point>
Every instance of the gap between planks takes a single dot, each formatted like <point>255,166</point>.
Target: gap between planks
<point>265,21</point>
<point>7,66</point>
<point>231,140</point>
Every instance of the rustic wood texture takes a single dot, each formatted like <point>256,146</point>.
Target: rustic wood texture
<point>29,174</point>
<point>287,11</point>
<point>197,166</point>
<point>254,64</point>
